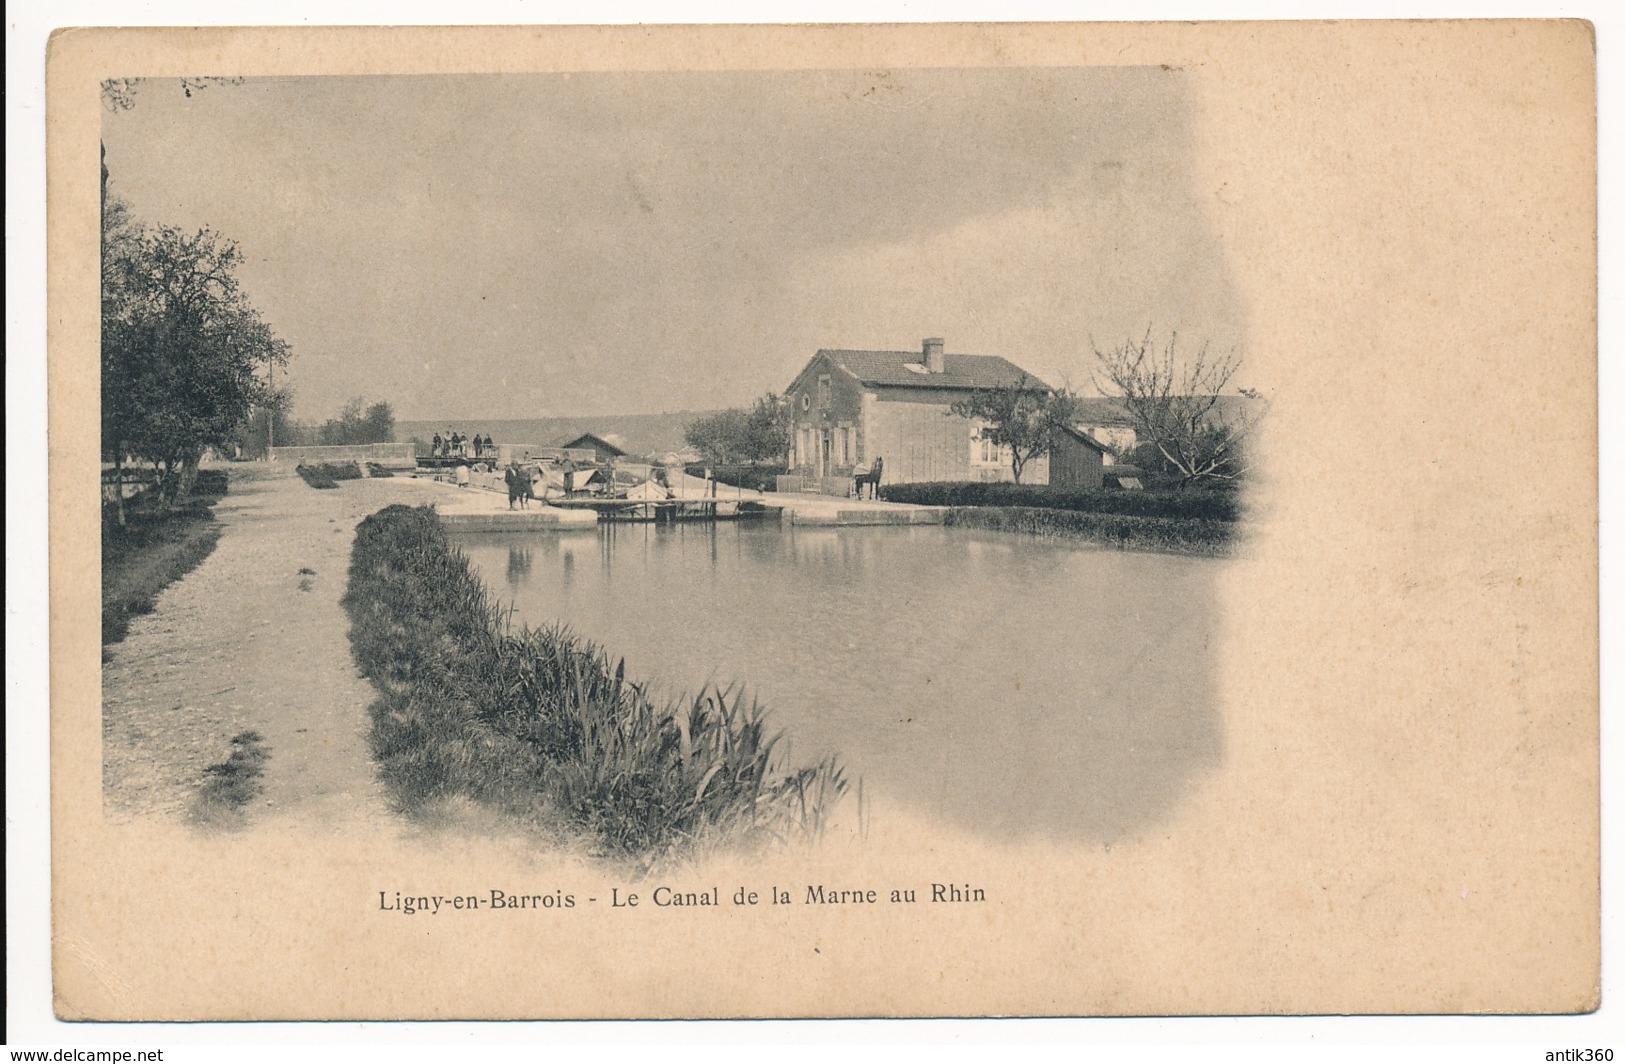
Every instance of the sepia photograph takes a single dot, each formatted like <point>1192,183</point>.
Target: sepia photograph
<point>673,534</point>
<point>795,522</point>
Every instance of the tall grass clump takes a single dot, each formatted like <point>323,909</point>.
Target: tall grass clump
<point>545,725</point>
<point>230,785</point>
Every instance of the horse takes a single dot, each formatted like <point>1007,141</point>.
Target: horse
<point>871,478</point>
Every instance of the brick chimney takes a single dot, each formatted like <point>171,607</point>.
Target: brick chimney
<point>934,362</point>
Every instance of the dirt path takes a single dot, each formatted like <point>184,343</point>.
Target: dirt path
<point>246,642</point>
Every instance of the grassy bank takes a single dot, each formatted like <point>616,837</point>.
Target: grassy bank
<point>545,725</point>
<point>155,548</point>
<point>1174,535</point>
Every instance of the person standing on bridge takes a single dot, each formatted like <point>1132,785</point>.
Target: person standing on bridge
<point>437,446</point>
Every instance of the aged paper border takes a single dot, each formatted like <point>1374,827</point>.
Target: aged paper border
<point>79,398</point>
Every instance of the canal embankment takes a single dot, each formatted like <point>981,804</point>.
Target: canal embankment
<point>547,727</point>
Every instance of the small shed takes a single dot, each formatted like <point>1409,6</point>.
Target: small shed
<point>602,449</point>
<point>1076,460</point>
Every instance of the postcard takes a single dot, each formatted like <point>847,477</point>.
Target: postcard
<point>824,521</point>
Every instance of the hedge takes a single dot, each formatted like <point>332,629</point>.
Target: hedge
<point>1194,504</point>
<point>327,474</point>
<point>1175,535</point>
<point>749,477</point>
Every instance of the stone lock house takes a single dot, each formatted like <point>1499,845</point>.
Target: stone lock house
<point>850,407</point>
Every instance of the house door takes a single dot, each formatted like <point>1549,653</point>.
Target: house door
<point>824,453</point>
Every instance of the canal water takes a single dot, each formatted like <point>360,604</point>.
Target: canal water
<point>1010,686</point>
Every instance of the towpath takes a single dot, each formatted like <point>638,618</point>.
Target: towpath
<point>255,640</point>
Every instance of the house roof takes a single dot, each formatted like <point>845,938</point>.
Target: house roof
<point>891,369</point>
<point>1102,411</point>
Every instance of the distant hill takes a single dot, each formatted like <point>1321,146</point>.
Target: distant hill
<point>640,434</point>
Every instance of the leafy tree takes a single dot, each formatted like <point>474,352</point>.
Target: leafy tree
<point>1022,416</point>
<point>119,248</point>
<point>721,437</point>
<point>344,429</point>
<point>768,430</point>
<point>272,424</point>
<point>360,423</point>
<point>380,423</point>
<point>1176,405</point>
<point>181,348</point>
<point>738,435</point>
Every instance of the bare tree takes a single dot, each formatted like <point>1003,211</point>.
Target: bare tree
<point>118,94</point>
<point>1177,405</point>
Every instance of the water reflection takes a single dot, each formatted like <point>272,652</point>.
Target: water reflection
<point>1012,686</point>
<point>520,557</point>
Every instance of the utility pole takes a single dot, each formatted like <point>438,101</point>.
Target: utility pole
<point>270,410</point>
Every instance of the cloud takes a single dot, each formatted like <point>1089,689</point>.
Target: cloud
<point>597,243</point>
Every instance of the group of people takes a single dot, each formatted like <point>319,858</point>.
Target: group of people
<point>522,483</point>
<point>456,445</point>
<point>528,480</point>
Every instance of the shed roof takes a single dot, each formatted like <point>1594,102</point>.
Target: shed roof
<point>1083,437</point>
<point>597,443</point>
<point>967,372</point>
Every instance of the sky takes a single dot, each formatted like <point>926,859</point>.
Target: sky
<point>515,246</point>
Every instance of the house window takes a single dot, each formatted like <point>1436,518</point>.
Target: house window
<point>983,451</point>
<point>823,393</point>
<point>843,446</point>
